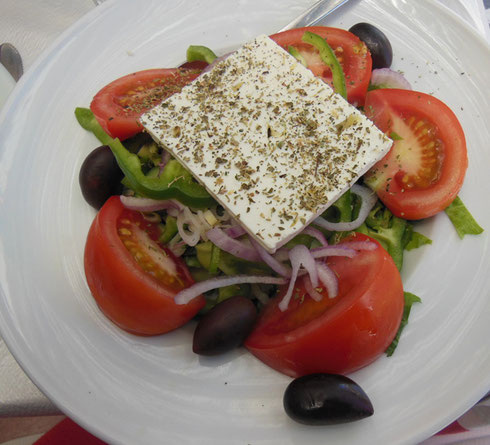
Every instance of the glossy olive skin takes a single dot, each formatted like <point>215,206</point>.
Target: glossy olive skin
<point>326,399</point>
<point>378,44</point>
<point>225,326</point>
<point>100,177</point>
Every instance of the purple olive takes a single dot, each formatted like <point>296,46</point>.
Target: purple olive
<point>378,44</point>
<point>326,399</point>
<point>100,177</point>
<point>225,326</point>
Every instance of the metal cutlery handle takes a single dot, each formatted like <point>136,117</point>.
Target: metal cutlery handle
<point>11,60</point>
<point>315,14</point>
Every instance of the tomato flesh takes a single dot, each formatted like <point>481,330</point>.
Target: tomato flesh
<point>132,278</point>
<point>140,239</point>
<point>335,335</point>
<point>425,168</point>
<point>118,106</point>
<point>352,54</point>
<point>420,153</point>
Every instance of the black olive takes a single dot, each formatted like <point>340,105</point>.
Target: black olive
<point>225,326</point>
<point>326,399</point>
<point>100,177</point>
<point>378,44</point>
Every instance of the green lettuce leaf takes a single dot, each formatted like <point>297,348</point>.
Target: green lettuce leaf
<point>417,240</point>
<point>462,220</point>
<point>410,299</point>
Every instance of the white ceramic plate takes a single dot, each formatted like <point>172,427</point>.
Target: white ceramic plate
<point>132,390</point>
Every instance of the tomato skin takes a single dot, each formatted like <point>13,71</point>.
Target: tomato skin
<point>354,57</point>
<point>390,110</point>
<point>195,65</point>
<point>334,337</point>
<point>126,294</point>
<point>118,106</point>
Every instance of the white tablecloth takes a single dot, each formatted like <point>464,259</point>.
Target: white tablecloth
<point>31,25</point>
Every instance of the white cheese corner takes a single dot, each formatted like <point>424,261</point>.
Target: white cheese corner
<point>270,141</point>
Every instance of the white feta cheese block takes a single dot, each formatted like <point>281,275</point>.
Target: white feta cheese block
<point>270,141</point>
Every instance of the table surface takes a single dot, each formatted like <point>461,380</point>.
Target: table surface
<point>32,26</point>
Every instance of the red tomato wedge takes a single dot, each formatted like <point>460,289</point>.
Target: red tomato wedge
<point>352,54</point>
<point>119,104</point>
<point>131,276</point>
<point>194,65</point>
<point>335,335</point>
<point>425,168</point>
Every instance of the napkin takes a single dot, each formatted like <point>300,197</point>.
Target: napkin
<point>18,396</point>
<point>68,432</point>
<point>473,427</point>
<point>31,26</point>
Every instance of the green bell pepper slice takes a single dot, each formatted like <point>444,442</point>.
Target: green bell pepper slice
<point>88,122</point>
<point>297,55</point>
<point>201,53</point>
<point>169,230</point>
<point>328,57</point>
<point>174,182</point>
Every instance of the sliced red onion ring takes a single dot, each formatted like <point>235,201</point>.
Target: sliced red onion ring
<point>282,255</point>
<point>149,205</point>
<point>368,198</point>
<point>335,250</point>
<point>186,295</point>
<point>387,78</point>
<point>258,293</point>
<point>268,259</point>
<point>231,245</point>
<point>348,249</point>
<point>299,256</point>
<point>152,217</point>
<point>328,279</point>
<point>174,212</point>
<point>235,231</point>
<point>302,255</point>
<point>178,249</point>
<point>176,245</point>
<point>165,158</point>
<point>312,292</point>
<point>360,245</point>
<point>203,224</point>
<point>192,234</point>
<point>315,233</point>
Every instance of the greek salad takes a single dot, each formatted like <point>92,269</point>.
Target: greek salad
<point>165,247</point>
